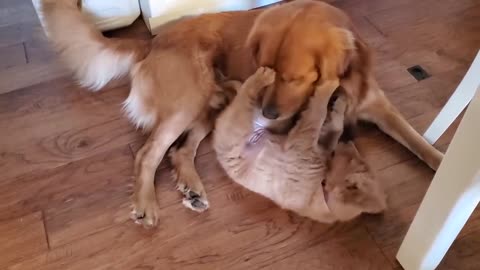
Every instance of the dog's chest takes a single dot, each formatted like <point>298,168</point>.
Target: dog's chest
<point>287,177</point>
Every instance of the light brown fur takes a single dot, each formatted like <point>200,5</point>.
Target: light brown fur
<point>289,169</point>
<point>173,76</point>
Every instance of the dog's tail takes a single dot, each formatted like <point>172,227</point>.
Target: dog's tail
<point>94,59</point>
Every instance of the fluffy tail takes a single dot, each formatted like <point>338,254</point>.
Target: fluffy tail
<point>94,59</point>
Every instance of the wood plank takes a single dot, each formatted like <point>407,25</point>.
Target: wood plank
<point>353,250</point>
<point>389,71</point>
<point>362,8</point>
<point>63,187</point>
<point>453,21</point>
<point>16,11</point>
<point>391,21</point>
<point>22,238</point>
<point>38,48</point>
<point>12,56</point>
<point>27,75</point>
<point>58,122</point>
<point>17,33</point>
<point>245,225</point>
<point>405,183</point>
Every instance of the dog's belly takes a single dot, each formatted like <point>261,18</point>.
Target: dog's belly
<point>291,183</point>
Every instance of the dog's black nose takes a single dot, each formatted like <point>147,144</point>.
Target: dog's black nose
<point>270,112</point>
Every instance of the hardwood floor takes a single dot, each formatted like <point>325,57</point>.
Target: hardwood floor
<point>66,160</point>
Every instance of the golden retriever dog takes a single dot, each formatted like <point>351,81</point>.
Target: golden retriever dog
<point>173,78</point>
<point>289,168</point>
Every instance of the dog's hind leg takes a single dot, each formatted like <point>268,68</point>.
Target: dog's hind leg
<point>145,207</point>
<point>182,157</point>
<point>378,109</point>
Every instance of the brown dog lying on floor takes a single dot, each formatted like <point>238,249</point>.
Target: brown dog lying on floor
<point>289,168</point>
<point>173,77</point>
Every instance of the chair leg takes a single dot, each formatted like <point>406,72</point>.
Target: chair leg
<point>457,102</point>
<point>451,198</point>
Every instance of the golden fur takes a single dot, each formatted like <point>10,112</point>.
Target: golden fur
<point>289,169</point>
<point>173,78</point>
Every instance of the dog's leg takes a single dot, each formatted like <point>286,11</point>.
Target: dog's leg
<point>184,171</point>
<point>335,127</point>
<point>312,119</point>
<point>235,124</point>
<point>145,207</point>
<point>379,110</point>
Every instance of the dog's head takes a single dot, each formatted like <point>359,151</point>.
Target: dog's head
<point>304,42</point>
<point>351,186</point>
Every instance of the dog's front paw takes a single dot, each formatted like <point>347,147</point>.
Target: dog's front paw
<point>145,212</point>
<point>264,76</point>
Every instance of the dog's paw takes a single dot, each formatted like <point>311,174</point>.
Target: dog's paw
<point>193,200</point>
<point>265,76</point>
<point>145,213</point>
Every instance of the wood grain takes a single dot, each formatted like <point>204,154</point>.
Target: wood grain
<point>17,33</point>
<point>59,122</point>
<point>349,251</point>
<point>22,238</point>
<point>16,11</point>
<point>12,55</point>
<point>64,191</point>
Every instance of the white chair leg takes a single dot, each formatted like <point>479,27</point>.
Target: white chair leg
<point>451,198</point>
<point>457,102</point>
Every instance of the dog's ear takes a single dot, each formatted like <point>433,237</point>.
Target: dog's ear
<point>333,59</point>
<point>264,41</point>
<point>262,47</point>
<point>268,30</point>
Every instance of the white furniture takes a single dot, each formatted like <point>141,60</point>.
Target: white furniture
<point>109,15</point>
<point>158,12</point>
<point>457,102</point>
<point>106,15</point>
<point>455,190</point>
